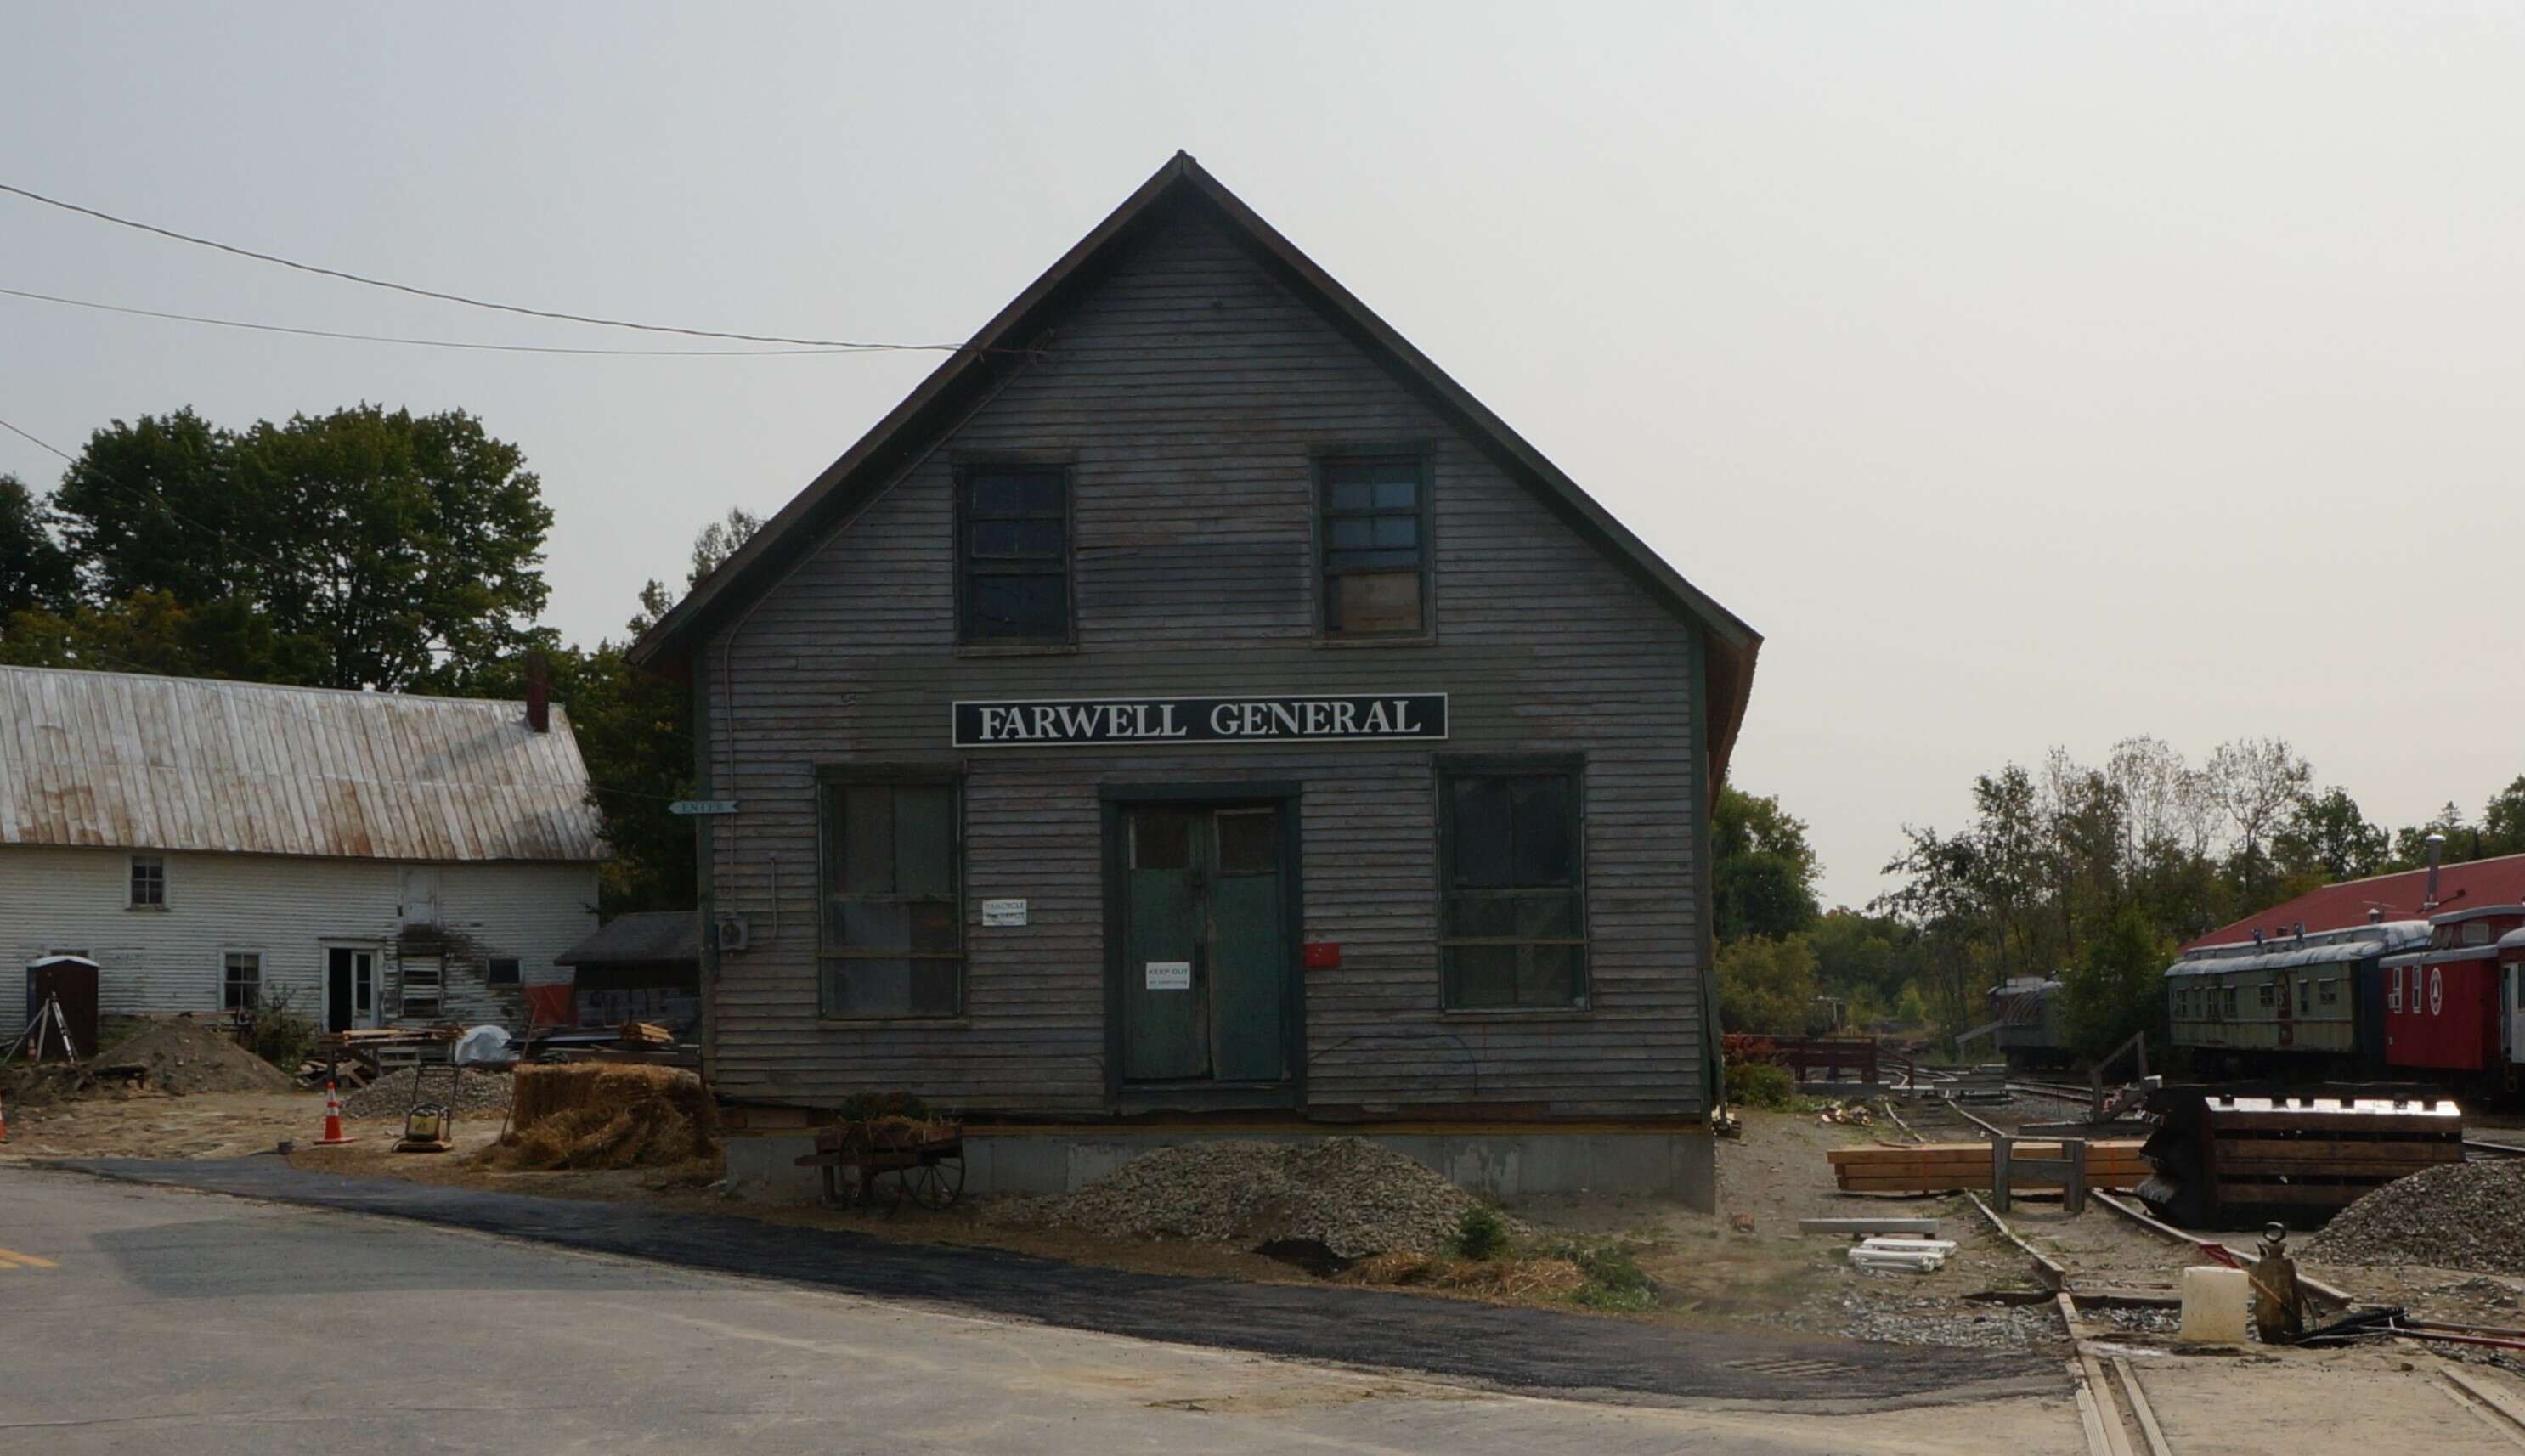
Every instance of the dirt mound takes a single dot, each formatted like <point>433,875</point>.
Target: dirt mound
<point>1350,1195</point>
<point>178,1056</point>
<point>2460,1216</point>
<point>595,1115</point>
<point>477,1093</point>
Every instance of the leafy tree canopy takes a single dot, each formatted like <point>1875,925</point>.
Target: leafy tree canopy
<point>1764,870</point>
<point>385,549</point>
<point>36,572</point>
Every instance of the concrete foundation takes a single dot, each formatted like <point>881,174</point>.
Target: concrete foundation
<point>1682,1166</point>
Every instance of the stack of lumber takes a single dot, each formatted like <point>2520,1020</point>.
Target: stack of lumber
<point>641,1033</point>
<point>1935,1167</point>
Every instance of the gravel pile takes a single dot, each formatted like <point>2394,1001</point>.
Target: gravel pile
<point>184,1056</point>
<point>2460,1216</point>
<point>1351,1195</point>
<point>392,1095</point>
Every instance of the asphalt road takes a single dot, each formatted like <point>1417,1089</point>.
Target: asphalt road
<point>136,1317</point>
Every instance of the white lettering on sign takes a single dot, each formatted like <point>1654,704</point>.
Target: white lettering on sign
<point>1004,912</point>
<point>1327,718</point>
<point>1169,975</point>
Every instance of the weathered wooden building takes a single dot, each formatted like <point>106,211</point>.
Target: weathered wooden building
<point>374,857</point>
<point>1192,703</point>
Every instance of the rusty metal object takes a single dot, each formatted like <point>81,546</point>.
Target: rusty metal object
<point>2279,1302</point>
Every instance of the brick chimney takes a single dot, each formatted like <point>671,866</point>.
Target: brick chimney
<point>538,693</point>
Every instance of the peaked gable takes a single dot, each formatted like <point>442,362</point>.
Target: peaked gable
<point>1005,346</point>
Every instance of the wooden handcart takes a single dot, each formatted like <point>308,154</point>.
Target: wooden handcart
<point>921,1161</point>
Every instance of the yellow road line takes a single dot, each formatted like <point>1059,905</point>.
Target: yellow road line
<point>10,1256</point>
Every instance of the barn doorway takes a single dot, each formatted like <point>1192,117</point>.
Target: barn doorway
<point>1206,979</point>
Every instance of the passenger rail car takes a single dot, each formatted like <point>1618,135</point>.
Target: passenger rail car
<point>2435,998</point>
<point>2026,1013</point>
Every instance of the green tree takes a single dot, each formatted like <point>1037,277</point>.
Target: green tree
<point>153,632</point>
<point>1764,870</point>
<point>2503,820</point>
<point>386,549</point>
<point>2327,836</point>
<point>36,572</point>
<point>2117,987</point>
<point>2257,782</point>
<point>2412,841</point>
<point>1766,986</point>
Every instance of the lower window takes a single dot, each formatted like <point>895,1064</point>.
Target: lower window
<point>240,980</point>
<point>1513,930</point>
<point>893,934</point>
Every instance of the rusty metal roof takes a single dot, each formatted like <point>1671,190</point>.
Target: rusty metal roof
<point>122,760</point>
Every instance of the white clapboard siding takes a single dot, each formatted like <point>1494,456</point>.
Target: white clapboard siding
<point>289,911</point>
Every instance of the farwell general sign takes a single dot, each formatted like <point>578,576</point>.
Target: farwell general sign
<point>1398,717</point>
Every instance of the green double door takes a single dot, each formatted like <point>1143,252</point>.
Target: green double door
<point>1205,958</point>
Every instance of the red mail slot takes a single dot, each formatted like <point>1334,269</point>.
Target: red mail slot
<point>1322,956</point>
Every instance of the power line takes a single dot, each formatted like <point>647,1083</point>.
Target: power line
<point>327,333</point>
<point>459,298</point>
<point>21,434</point>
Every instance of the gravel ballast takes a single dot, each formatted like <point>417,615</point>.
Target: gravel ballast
<point>392,1095</point>
<point>2460,1216</point>
<point>1351,1195</point>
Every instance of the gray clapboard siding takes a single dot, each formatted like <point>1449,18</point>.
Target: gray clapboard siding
<point>1189,389</point>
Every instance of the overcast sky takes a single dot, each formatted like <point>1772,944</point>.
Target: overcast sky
<point>2028,374</point>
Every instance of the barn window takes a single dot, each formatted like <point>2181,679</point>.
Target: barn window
<point>240,980</point>
<point>1012,554</point>
<point>1513,903</point>
<point>1375,539</point>
<point>501,970</point>
<point>148,881</point>
<point>893,924</point>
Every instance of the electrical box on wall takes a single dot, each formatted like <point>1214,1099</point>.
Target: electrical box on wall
<point>731,932</point>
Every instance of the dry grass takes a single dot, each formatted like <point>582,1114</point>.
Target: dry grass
<point>601,1115</point>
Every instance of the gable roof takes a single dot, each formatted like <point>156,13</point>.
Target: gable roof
<point>2400,896</point>
<point>130,761</point>
<point>1002,348</point>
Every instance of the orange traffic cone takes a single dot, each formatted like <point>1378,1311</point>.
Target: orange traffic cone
<point>333,1136</point>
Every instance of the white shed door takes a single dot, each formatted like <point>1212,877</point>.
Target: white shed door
<point>419,893</point>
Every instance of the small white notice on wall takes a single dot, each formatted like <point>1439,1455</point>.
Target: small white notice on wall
<point>1171,975</point>
<point>1004,912</point>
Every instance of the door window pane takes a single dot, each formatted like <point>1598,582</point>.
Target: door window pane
<point>1249,841</point>
<point>1161,838</point>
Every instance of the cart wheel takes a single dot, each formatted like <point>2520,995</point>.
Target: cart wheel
<point>934,1184</point>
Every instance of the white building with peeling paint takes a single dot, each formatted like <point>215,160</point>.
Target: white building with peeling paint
<point>376,858</point>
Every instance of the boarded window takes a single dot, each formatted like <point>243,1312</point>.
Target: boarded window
<point>240,980</point>
<point>1375,536</point>
<point>148,881</point>
<point>893,925</point>
<point>1012,554</point>
<point>1514,904</point>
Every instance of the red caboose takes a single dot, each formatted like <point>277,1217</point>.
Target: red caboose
<point>2444,1005</point>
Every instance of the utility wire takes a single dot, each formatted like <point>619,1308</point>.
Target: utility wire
<point>459,298</point>
<point>154,503</point>
<point>327,333</point>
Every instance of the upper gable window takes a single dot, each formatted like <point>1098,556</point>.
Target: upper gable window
<point>1376,541</point>
<point>1012,554</point>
